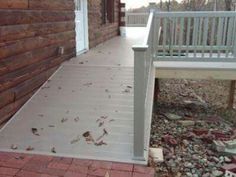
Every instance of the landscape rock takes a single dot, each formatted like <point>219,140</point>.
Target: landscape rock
<point>186,123</point>
<point>219,146</point>
<point>156,154</point>
<point>171,116</point>
<point>217,173</point>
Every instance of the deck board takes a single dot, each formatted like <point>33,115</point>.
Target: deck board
<point>82,91</point>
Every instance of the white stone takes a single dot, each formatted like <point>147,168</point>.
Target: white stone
<point>187,123</point>
<point>156,154</point>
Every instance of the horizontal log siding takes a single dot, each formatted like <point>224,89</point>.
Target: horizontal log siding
<point>99,32</point>
<point>30,33</point>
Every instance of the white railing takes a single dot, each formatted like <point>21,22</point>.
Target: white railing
<point>143,90</point>
<point>198,36</point>
<point>194,36</point>
<point>136,19</point>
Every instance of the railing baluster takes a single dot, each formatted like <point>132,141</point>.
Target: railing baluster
<point>212,42</point>
<point>234,38</point>
<point>188,36</point>
<point>195,33</point>
<point>176,31</point>
<point>181,35</point>
<point>205,35</point>
<point>156,34</point>
<point>225,26</point>
<point>229,36</point>
<point>200,32</point>
<point>172,36</point>
<point>219,36</point>
<point>164,36</point>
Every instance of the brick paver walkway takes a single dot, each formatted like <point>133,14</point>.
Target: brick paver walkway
<point>22,165</point>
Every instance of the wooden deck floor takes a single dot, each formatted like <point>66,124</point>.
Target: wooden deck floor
<point>85,109</point>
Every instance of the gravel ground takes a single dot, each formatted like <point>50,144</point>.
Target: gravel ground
<point>202,105</point>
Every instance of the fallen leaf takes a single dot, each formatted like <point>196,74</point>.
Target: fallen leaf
<point>81,63</point>
<point>111,120</point>
<point>59,88</point>
<point>88,84</point>
<point>106,90</point>
<point>129,87</point>
<point>46,87</point>
<point>29,148</point>
<point>53,150</point>
<point>88,137</point>
<point>100,143</point>
<point>14,147</point>
<point>76,119</point>
<point>105,131</point>
<point>35,131</point>
<point>40,115</point>
<point>64,120</point>
<point>126,91</point>
<point>51,126</point>
<point>104,117</point>
<point>86,134</point>
<point>75,140</point>
<point>101,123</point>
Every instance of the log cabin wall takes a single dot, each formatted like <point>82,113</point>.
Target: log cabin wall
<point>31,32</point>
<point>98,31</point>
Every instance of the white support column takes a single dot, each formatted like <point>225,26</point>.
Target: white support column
<point>234,42</point>
<point>139,101</point>
<point>234,48</point>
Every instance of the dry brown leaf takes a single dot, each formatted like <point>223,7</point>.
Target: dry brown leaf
<point>35,131</point>
<point>88,84</point>
<point>53,150</point>
<point>76,119</point>
<point>14,147</point>
<point>64,120</point>
<point>104,117</point>
<point>88,137</point>
<point>29,148</point>
<point>101,123</point>
<point>100,143</point>
<point>75,140</point>
<point>105,132</point>
<point>40,115</point>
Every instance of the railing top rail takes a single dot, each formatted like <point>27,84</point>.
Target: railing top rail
<point>137,13</point>
<point>148,29</point>
<point>197,14</point>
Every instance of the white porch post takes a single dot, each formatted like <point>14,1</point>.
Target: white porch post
<point>139,101</point>
<point>234,48</point>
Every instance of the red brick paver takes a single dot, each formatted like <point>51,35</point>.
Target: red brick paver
<point>22,165</point>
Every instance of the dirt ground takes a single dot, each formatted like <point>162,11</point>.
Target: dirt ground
<point>204,102</point>
<point>211,93</point>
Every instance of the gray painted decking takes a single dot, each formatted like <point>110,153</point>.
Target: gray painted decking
<point>92,92</point>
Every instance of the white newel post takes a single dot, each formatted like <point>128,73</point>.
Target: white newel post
<point>234,49</point>
<point>139,101</point>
